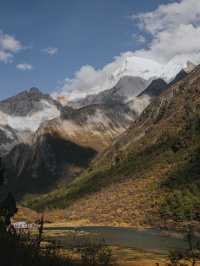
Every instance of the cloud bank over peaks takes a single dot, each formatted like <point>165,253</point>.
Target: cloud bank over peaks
<point>174,31</point>
<point>89,80</point>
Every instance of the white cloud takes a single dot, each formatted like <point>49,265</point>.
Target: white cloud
<point>141,39</point>
<point>9,43</point>
<point>24,67</point>
<point>175,29</point>
<point>86,81</point>
<point>174,33</point>
<point>50,51</point>
<point>170,16</point>
<point>5,57</point>
<point>185,39</point>
<point>8,47</point>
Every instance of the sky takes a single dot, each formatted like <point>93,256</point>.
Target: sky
<point>53,45</point>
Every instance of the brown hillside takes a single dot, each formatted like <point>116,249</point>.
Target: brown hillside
<point>150,175</point>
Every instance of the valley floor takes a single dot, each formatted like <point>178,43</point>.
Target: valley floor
<point>124,256</point>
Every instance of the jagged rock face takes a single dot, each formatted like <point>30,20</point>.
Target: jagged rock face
<point>143,99</point>
<point>155,88</point>
<point>136,92</point>
<point>127,87</point>
<point>181,75</point>
<point>25,103</point>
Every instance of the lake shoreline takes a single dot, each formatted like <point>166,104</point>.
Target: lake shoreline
<point>170,229</point>
<point>154,239</point>
<point>129,244</point>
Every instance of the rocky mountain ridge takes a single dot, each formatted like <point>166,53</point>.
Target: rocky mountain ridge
<point>150,175</point>
<point>48,140</point>
<point>22,115</point>
<point>61,146</point>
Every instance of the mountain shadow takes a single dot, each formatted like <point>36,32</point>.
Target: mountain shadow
<point>38,168</point>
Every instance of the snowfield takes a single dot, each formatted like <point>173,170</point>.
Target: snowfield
<point>30,122</point>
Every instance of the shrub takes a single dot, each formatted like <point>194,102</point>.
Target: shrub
<point>96,254</point>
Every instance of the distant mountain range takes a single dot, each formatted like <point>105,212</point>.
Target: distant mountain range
<point>104,115</point>
<point>42,141</point>
<point>128,65</point>
<point>45,143</point>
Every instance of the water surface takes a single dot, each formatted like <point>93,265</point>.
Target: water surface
<point>147,240</point>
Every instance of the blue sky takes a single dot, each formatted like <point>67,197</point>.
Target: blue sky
<point>84,32</point>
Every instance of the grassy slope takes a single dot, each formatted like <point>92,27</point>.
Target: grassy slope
<point>152,171</point>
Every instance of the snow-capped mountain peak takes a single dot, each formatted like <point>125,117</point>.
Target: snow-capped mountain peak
<point>22,115</point>
<point>138,67</point>
<point>127,64</point>
<point>149,69</point>
<point>175,65</point>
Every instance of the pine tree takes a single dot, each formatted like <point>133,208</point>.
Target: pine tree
<point>8,206</point>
